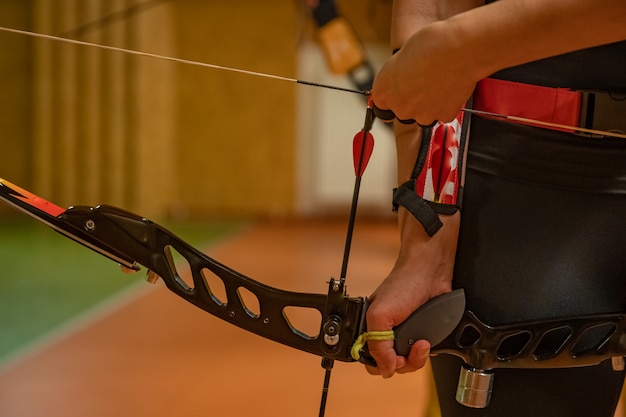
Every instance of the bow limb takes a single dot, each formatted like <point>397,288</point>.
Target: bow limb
<point>132,240</point>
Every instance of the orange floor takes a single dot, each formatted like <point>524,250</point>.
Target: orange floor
<point>156,355</point>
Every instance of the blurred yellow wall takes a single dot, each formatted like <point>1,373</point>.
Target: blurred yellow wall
<point>235,132</point>
<point>15,103</point>
<point>88,126</point>
<point>85,126</point>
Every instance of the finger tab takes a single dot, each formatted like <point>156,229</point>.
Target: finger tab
<point>388,115</point>
<point>385,115</point>
<point>407,121</point>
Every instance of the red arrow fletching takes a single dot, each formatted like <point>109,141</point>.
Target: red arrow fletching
<point>362,148</point>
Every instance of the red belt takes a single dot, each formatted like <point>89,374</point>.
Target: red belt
<point>589,109</point>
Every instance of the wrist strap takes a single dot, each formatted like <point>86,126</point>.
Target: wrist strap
<point>436,185</point>
<point>405,196</point>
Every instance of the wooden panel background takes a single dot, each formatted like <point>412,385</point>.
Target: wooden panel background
<point>15,103</point>
<point>235,142</point>
<point>86,126</point>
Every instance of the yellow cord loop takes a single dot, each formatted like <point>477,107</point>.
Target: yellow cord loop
<point>364,337</point>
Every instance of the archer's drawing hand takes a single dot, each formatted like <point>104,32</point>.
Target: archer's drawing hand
<point>422,271</point>
<point>439,64</point>
<point>428,79</point>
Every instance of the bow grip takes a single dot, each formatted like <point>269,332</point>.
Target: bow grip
<point>433,321</point>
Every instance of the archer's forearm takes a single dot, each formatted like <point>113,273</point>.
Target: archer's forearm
<point>513,32</point>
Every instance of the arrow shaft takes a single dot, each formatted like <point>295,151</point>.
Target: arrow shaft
<point>178,60</point>
<point>524,120</point>
<point>515,119</point>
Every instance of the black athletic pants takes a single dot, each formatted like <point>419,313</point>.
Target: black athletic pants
<point>543,235</point>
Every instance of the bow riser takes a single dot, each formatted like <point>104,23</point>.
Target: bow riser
<point>556,343</point>
<point>124,236</point>
<point>151,245</point>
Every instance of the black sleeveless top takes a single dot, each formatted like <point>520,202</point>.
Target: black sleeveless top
<point>551,158</point>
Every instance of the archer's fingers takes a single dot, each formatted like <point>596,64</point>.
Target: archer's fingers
<point>400,364</point>
<point>372,370</point>
<point>385,357</point>
<point>417,359</point>
<point>418,356</point>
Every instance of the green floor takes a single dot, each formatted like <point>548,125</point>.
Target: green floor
<point>46,279</point>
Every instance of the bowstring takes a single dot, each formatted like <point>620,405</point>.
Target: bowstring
<point>513,119</point>
<point>178,60</point>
